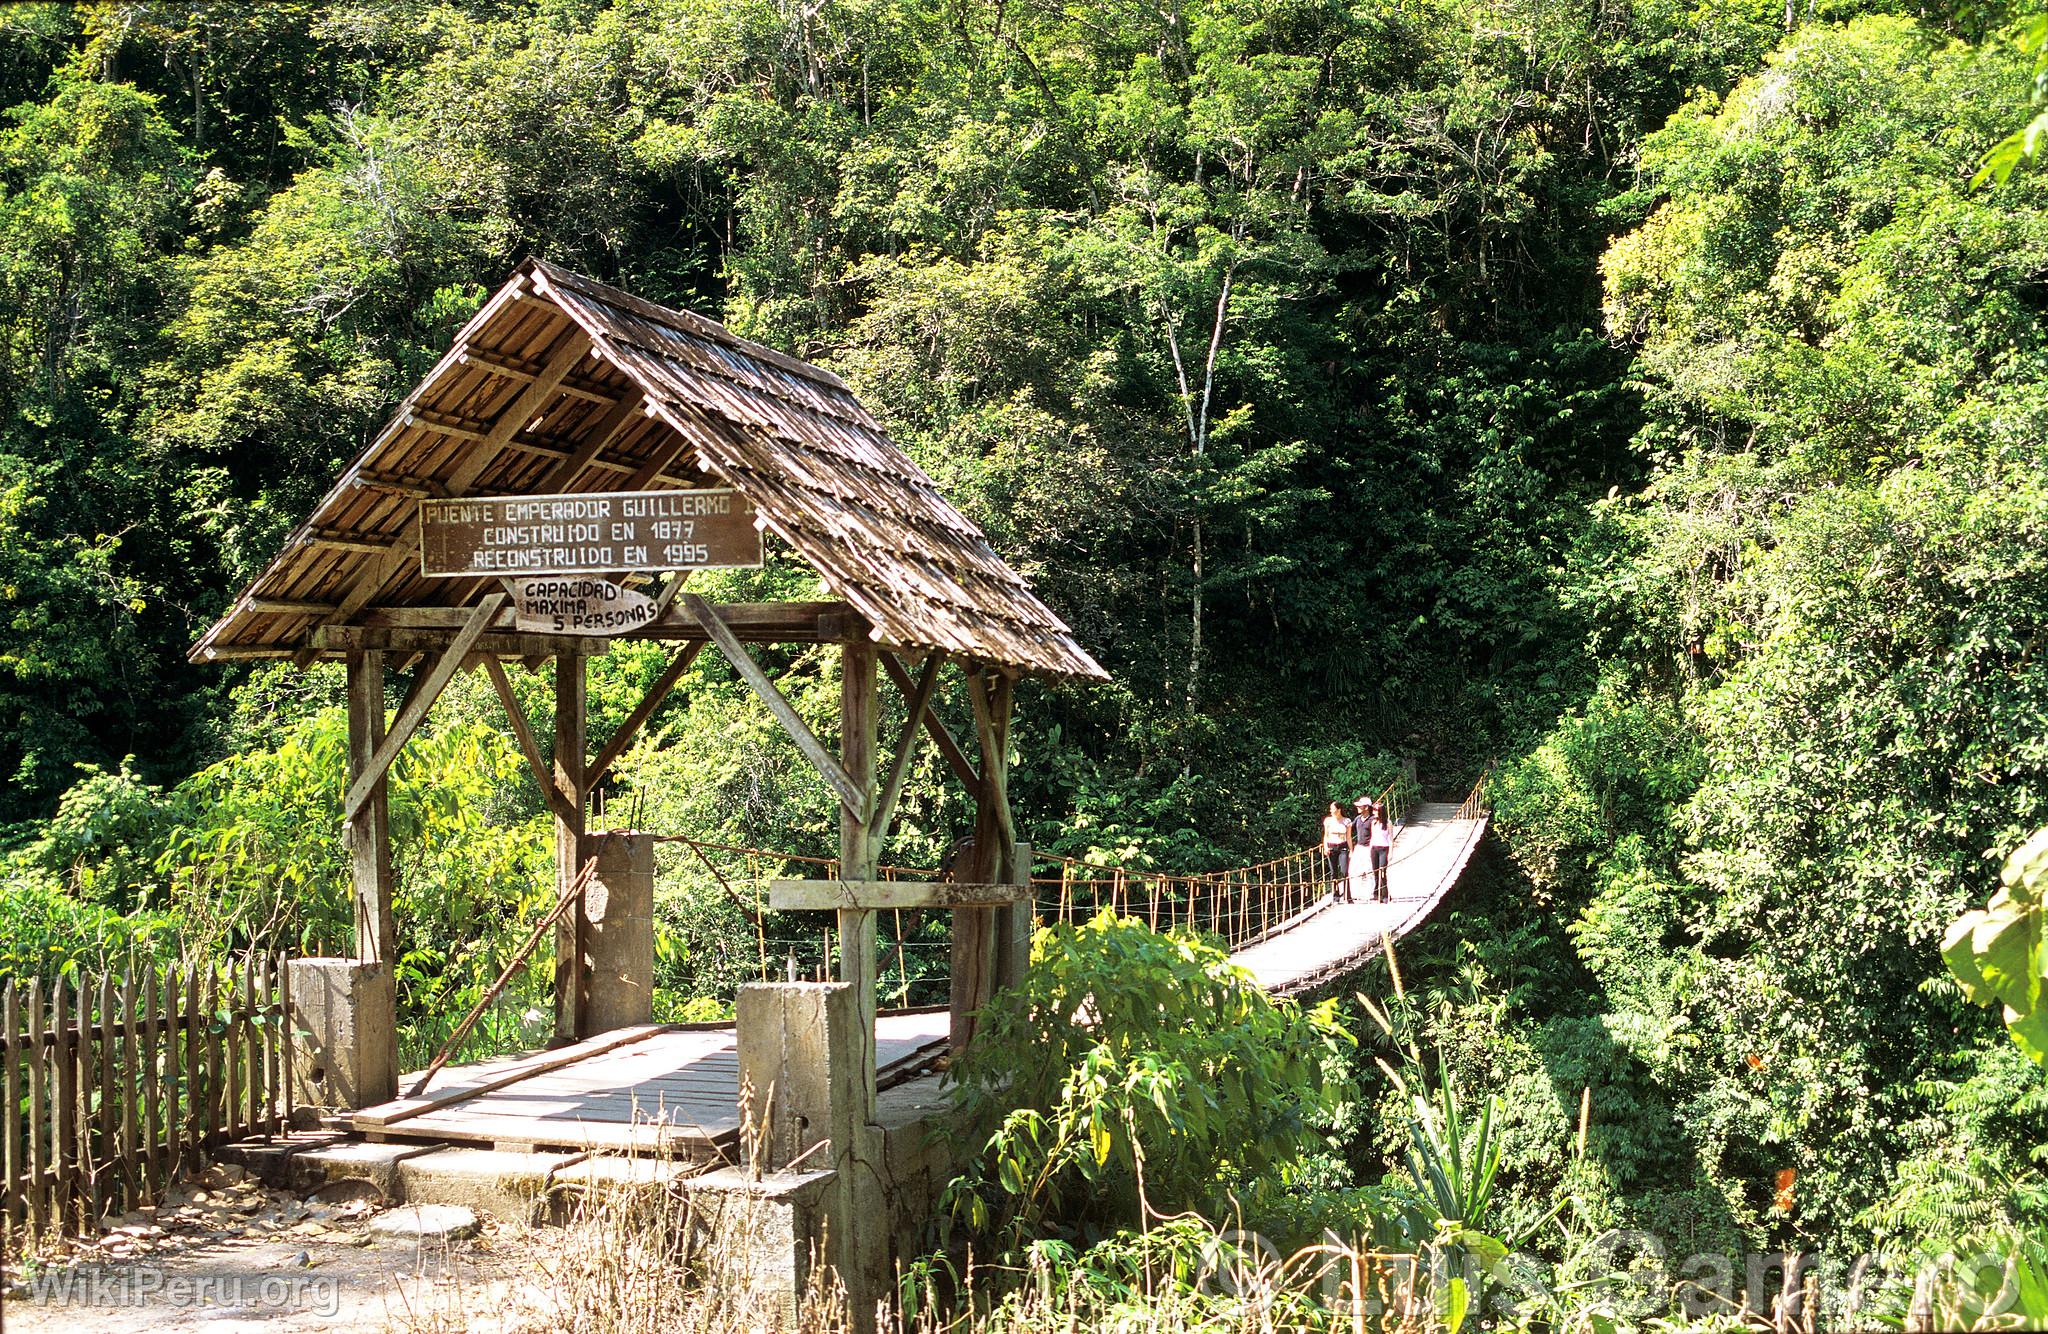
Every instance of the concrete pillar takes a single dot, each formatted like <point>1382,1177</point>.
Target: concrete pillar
<point>799,1068</point>
<point>620,943</point>
<point>803,1083</point>
<point>345,1013</point>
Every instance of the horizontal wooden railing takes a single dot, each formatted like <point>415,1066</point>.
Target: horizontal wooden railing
<point>112,1087</point>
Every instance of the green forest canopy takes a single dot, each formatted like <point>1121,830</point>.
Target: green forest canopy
<point>1636,399</point>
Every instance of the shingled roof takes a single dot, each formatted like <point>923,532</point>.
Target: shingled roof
<point>562,384</point>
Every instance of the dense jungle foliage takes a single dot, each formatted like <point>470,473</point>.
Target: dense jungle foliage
<point>1638,400</point>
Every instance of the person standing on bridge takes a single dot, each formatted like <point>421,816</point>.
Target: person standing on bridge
<point>1336,847</point>
<point>1361,845</point>
<point>1382,853</point>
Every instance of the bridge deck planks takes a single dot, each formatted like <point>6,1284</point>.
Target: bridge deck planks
<point>674,1090</point>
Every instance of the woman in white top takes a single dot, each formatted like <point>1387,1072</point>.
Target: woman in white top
<point>1336,846</point>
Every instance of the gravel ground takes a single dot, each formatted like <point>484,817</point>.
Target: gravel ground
<point>230,1255</point>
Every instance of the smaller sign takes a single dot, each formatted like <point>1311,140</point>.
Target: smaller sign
<point>579,606</point>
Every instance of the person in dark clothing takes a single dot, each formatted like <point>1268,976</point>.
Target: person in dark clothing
<point>1361,840</point>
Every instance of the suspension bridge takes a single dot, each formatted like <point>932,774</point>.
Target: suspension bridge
<point>675,1088</point>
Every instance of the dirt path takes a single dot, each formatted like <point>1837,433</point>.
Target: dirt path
<point>232,1256</point>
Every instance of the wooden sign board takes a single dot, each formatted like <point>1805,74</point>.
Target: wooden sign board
<point>618,532</point>
<point>578,605</point>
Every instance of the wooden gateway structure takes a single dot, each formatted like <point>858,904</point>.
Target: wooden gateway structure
<point>561,386</point>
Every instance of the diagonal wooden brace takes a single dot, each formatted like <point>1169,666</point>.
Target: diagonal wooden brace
<point>850,793</point>
<point>906,744</point>
<point>963,768</point>
<point>558,801</point>
<point>421,699</point>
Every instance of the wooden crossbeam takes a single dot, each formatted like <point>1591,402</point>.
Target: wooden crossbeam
<point>575,386</point>
<point>642,711</point>
<point>543,774</point>
<point>289,606</point>
<point>850,793</point>
<point>345,638</point>
<point>830,895</point>
<point>906,746</point>
<point>963,768</point>
<point>754,622</point>
<point>425,691</point>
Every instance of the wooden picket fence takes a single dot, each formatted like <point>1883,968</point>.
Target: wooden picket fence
<point>113,1087</point>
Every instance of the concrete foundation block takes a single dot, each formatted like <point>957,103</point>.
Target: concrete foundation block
<point>374,1163</point>
<point>799,1071</point>
<point>496,1183</point>
<point>619,906</point>
<point>775,1227</point>
<point>917,1161</point>
<point>345,1013</point>
<point>610,1170</point>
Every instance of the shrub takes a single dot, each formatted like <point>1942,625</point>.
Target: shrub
<point>1134,1064</point>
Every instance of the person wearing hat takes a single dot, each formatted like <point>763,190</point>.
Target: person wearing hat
<point>1361,845</point>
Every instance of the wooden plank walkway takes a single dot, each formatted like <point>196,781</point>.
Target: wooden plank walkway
<point>676,1088</point>
<point>1430,853</point>
<point>664,1089</point>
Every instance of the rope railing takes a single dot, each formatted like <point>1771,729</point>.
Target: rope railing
<point>1242,906</point>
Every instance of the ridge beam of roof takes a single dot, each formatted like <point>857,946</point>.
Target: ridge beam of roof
<point>850,794</point>
<point>575,345</point>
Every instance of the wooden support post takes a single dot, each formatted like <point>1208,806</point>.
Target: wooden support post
<point>859,850</point>
<point>976,933</point>
<point>369,829</point>
<point>1015,922</point>
<point>571,703</point>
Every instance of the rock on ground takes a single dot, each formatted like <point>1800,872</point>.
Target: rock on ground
<point>425,1222</point>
